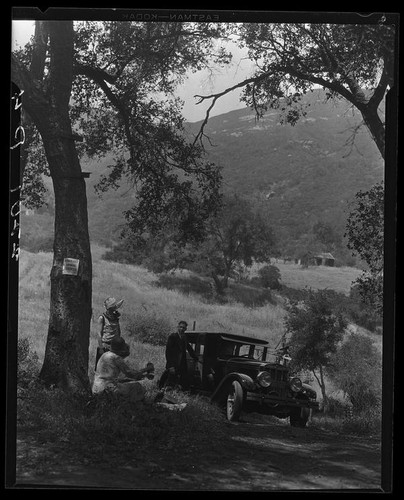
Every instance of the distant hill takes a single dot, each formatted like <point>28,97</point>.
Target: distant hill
<point>307,172</point>
<point>302,174</point>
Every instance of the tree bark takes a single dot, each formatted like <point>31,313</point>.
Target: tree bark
<point>219,285</point>
<point>321,383</point>
<point>375,127</point>
<point>66,354</point>
<point>46,100</point>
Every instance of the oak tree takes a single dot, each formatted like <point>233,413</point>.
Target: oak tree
<point>238,234</point>
<point>350,61</point>
<point>110,82</point>
<point>315,330</point>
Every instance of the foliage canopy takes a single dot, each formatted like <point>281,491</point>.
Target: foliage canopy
<point>124,75</point>
<point>365,233</point>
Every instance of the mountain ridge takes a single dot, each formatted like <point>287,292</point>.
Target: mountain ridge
<point>313,168</point>
<point>300,174</point>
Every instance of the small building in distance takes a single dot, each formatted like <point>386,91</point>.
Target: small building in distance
<point>324,259</point>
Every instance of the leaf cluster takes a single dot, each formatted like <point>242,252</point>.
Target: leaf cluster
<point>33,166</point>
<point>356,369</point>
<point>124,74</point>
<point>315,330</point>
<point>365,227</point>
<point>239,234</point>
<point>292,59</point>
<point>365,234</point>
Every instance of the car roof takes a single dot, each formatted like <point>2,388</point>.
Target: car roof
<point>232,336</point>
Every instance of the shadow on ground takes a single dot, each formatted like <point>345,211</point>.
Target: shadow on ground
<point>257,454</point>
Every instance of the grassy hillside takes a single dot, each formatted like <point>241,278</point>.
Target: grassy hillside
<point>143,297</point>
<point>307,172</point>
<point>146,300</point>
<point>148,303</point>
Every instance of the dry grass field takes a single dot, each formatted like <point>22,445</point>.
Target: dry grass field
<point>146,299</point>
<point>316,277</point>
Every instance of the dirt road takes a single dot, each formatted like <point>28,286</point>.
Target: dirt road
<point>257,456</point>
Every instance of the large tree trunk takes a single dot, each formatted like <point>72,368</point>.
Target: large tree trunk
<point>46,100</point>
<point>66,355</point>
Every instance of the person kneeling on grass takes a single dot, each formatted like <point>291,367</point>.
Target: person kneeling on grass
<point>111,365</point>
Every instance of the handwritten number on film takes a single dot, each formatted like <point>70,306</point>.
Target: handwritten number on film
<point>19,138</point>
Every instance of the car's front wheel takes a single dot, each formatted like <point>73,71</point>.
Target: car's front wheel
<point>299,417</point>
<point>234,401</point>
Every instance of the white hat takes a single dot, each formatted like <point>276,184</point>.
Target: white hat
<point>112,303</point>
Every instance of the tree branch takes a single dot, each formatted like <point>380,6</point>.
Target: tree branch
<point>216,96</point>
<point>39,50</point>
<point>380,90</point>
<point>34,101</point>
<point>61,63</point>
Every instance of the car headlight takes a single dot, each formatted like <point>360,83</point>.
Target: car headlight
<point>264,379</point>
<point>296,384</point>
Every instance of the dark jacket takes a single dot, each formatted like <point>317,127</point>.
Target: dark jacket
<point>176,348</point>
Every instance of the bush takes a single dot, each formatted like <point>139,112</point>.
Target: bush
<point>344,421</point>
<point>270,277</point>
<point>295,294</point>
<point>338,408</point>
<point>364,423</point>
<point>362,314</point>
<point>356,369</point>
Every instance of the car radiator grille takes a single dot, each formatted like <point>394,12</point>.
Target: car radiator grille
<point>278,375</point>
<point>279,386</point>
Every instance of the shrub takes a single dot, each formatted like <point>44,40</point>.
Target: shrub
<point>342,420</point>
<point>356,369</point>
<point>295,294</point>
<point>270,277</point>
<point>338,408</point>
<point>361,313</point>
<point>364,423</point>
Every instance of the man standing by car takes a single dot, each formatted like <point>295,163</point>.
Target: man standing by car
<point>176,361</point>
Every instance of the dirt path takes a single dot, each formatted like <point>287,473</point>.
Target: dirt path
<point>256,457</point>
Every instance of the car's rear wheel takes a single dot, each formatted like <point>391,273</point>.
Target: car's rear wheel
<point>299,417</point>
<point>234,401</point>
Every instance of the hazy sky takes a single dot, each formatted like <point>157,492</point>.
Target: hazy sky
<point>201,82</point>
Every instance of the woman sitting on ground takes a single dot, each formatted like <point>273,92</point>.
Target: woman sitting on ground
<point>111,365</point>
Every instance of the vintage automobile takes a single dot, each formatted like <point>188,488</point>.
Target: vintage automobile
<point>242,374</point>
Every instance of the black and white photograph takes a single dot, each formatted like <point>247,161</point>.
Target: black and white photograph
<point>202,250</point>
